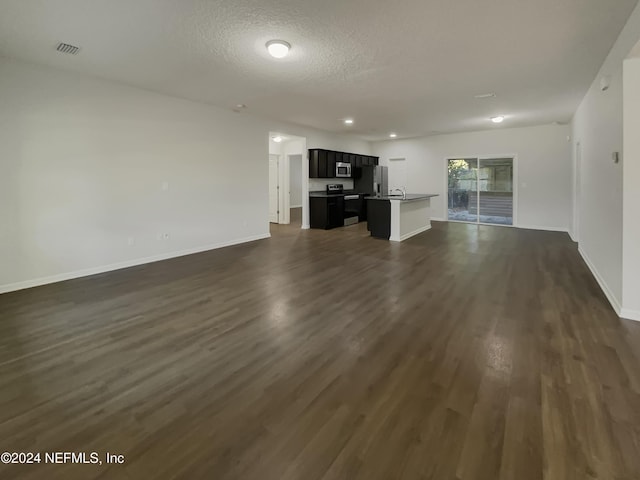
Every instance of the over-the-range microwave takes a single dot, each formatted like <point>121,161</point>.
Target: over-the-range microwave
<point>343,170</point>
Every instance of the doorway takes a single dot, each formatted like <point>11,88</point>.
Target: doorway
<point>288,180</point>
<point>295,189</point>
<point>481,190</point>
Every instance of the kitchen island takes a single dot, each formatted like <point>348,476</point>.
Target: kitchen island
<point>398,217</point>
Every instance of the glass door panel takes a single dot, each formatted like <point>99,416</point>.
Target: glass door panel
<point>463,189</point>
<point>495,191</point>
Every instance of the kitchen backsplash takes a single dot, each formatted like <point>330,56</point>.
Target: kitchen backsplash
<point>318,184</point>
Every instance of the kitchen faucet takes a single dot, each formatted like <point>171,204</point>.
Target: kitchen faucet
<point>402,190</point>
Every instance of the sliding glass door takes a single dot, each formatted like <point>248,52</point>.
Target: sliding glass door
<point>463,187</point>
<point>480,190</point>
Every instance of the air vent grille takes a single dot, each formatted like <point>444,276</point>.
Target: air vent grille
<point>66,48</point>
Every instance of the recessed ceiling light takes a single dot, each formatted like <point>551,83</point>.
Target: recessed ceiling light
<point>498,119</point>
<point>348,121</point>
<point>393,135</point>
<point>277,139</point>
<point>278,48</point>
<point>485,95</point>
<point>241,106</point>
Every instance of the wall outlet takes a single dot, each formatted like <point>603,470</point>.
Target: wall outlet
<point>131,241</point>
<point>165,185</point>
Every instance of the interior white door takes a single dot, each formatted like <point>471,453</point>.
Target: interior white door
<point>273,189</point>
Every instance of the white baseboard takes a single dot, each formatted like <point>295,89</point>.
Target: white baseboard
<point>295,206</point>
<point>525,227</point>
<point>629,314</point>
<point>12,287</point>
<point>573,237</point>
<point>603,285</point>
<point>411,234</point>
<point>546,229</point>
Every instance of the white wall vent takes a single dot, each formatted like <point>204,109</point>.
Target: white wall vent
<point>66,48</point>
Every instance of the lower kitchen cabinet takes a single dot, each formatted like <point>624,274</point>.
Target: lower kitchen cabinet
<point>326,212</point>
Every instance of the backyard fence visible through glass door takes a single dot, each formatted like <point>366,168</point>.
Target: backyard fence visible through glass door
<point>480,190</point>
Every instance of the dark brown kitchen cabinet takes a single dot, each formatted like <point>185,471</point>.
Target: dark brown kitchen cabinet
<point>322,163</point>
<point>326,212</point>
<point>313,163</point>
<point>323,171</point>
<point>331,164</point>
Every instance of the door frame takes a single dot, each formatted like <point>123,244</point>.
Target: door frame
<point>514,156</point>
<point>278,175</point>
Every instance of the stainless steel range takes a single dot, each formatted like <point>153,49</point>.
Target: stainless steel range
<point>352,203</point>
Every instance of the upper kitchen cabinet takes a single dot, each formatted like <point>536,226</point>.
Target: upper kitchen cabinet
<point>313,163</point>
<point>331,164</point>
<point>323,167</point>
<point>322,163</point>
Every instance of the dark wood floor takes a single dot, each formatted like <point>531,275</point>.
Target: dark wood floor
<point>463,353</point>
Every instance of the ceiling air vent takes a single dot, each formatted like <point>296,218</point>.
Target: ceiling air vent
<point>66,48</point>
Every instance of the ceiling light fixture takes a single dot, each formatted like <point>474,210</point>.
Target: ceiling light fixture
<point>277,139</point>
<point>393,135</point>
<point>278,48</point>
<point>498,119</point>
<point>348,121</point>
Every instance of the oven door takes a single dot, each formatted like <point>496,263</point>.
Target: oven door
<point>343,170</point>
<point>352,204</point>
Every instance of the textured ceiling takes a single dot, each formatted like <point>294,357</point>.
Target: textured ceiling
<point>412,67</point>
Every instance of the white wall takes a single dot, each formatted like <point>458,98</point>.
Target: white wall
<point>543,166</point>
<point>598,127</point>
<point>631,191</point>
<point>295,184</point>
<point>83,162</point>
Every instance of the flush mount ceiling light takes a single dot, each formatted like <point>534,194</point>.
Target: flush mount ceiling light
<point>393,135</point>
<point>348,121</point>
<point>277,139</point>
<point>498,119</point>
<point>278,48</point>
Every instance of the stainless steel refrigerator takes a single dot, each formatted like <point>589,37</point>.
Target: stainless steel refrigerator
<point>372,181</point>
